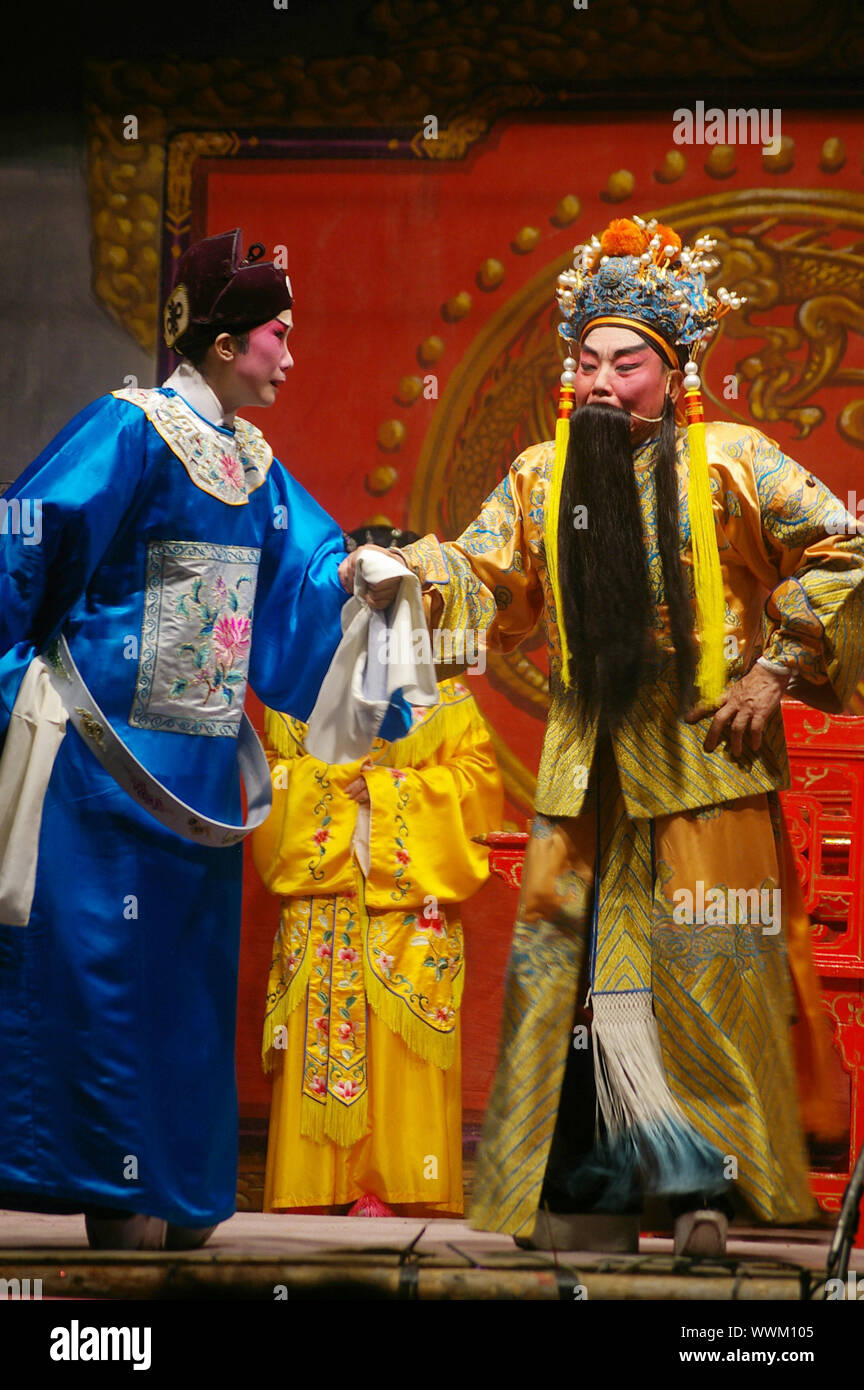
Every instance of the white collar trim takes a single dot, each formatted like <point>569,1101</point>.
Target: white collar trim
<point>188,382</point>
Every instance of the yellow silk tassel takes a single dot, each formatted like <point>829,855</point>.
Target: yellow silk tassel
<point>707,576</point>
<point>553,508</point>
<point>283,733</point>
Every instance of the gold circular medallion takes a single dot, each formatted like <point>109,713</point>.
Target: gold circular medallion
<point>176,317</point>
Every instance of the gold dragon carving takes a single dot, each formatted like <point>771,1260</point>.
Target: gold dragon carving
<point>825,283</point>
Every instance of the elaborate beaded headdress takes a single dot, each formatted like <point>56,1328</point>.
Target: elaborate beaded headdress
<point>637,274</point>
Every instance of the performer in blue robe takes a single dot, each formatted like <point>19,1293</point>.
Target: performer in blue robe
<point>179,560</point>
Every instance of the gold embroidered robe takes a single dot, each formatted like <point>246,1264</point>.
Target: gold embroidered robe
<point>362,1022</point>
<point>792,569</point>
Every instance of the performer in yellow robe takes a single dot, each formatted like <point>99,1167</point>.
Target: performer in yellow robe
<point>656,880</point>
<point>362,1023</point>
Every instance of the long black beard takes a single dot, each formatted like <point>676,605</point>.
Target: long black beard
<point>606,592</point>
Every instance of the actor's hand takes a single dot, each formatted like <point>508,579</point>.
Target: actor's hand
<point>346,572</point>
<point>358,790</point>
<point>379,595</point>
<point>745,708</point>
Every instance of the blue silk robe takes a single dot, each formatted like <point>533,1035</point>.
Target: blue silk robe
<point>179,560</point>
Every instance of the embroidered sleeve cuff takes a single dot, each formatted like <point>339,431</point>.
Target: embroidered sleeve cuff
<point>776,666</point>
<point>784,653</point>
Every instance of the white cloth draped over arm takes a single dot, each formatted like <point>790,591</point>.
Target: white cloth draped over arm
<point>378,656</point>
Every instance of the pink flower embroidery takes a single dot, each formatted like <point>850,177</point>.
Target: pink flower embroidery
<point>319,1086</point>
<point>323,952</point>
<point>397,775</point>
<point>436,926</point>
<point>345,1031</point>
<point>232,636</point>
<point>232,472</point>
<point>386,962</point>
<point>347,954</point>
<point>347,1089</point>
<point>403,856</point>
<point>443,1014</point>
<point>322,836</point>
<point>323,1025</point>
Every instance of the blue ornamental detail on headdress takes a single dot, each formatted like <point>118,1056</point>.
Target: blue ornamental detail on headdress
<point>640,271</point>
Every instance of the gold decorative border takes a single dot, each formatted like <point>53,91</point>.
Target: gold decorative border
<point>466,68</point>
<point>126,182</point>
<point>142,156</point>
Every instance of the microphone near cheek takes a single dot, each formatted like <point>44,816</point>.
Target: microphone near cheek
<point>652,419</point>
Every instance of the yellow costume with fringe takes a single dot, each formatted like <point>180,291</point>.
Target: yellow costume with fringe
<point>362,1023</point>
<point>627,818</point>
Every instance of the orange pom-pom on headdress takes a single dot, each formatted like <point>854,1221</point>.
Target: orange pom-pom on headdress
<point>668,237</point>
<point>623,238</point>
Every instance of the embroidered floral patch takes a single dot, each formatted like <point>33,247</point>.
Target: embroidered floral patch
<point>335,1058</point>
<point>419,958</point>
<point>196,637</point>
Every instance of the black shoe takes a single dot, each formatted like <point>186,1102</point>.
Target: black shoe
<point>112,1230</point>
<point>187,1237</point>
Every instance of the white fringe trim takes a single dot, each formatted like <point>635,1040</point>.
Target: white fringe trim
<point>628,1063</point>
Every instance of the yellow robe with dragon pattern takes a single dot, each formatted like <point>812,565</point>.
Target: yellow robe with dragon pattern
<point>362,1021</point>
<point>670,816</point>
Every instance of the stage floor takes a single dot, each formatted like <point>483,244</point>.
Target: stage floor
<point>266,1257</point>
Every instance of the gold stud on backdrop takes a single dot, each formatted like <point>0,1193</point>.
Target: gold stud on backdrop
<point>430,350</point>
<point>391,435</point>
<point>525,240</point>
<point>566,211</point>
<point>673,166</point>
<point>833,155</point>
<point>619,186</point>
<point>457,307</point>
<point>408,390</point>
<point>783,160</point>
<point>381,479</point>
<point>721,162</point>
<point>490,274</point>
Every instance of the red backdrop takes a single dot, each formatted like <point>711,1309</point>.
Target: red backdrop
<point>378,249</point>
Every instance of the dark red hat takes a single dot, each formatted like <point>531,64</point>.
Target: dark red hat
<point>215,290</point>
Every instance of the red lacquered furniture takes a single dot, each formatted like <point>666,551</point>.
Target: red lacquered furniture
<point>824,810</point>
